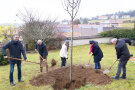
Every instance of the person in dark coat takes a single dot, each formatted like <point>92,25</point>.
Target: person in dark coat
<point>41,48</point>
<point>97,53</point>
<point>127,40</point>
<point>123,56</point>
<point>15,49</point>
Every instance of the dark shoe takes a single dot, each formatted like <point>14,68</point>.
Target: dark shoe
<point>122,77</point>
<point>12,84</point>
<point>20,81</point>
<point>97,71</point>
<point>117,78</point>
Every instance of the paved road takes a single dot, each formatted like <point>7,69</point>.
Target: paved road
<point>86,41</point>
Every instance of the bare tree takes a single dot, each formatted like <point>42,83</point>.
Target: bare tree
<point>38,30</point>
<point>72,7</point>
<point>34,28</point>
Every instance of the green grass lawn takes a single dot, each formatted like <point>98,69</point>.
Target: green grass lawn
<point>96,21</point>
<point>132,19</point>
<point>80,56</point>
<point>128,25</point>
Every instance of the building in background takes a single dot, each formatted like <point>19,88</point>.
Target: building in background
<point>102,17</point>
<point>82,30</point>
<point>125,16</point>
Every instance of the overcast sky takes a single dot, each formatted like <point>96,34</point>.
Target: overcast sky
<point>54,9</point>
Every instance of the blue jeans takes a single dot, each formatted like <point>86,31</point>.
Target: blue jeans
<point>97,65</point>
<point>63,61</point>
<point>12,70</point>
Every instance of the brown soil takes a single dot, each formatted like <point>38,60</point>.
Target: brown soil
<point>59,78</point>
<point>53,62</point>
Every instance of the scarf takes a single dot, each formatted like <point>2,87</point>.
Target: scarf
<point>91,48</point>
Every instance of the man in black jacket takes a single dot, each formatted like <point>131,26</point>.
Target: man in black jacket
<point>41,47</point>
<point>127,40</point>
<point>15,49</point>
<point>123,56</point>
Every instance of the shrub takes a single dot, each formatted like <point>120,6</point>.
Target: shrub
<point>52,44</point>
<point>120,33</point>
<point>31,45</point>
<point>55,42</point>
<point>2,60</point>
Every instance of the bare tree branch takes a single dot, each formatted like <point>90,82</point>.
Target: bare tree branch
<point>34,28</point>
<point>68,5</point>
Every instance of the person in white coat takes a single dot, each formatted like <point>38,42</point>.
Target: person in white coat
<point>63,53</point>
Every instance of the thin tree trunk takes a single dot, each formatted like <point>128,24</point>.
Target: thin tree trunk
<point>72,42</point>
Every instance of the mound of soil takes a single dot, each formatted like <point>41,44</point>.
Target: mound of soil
<point>60,78</point>
<point>53,62</point>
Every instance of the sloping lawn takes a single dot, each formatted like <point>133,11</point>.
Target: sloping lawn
<point>80,56</point>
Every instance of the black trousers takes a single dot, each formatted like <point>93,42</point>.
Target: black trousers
<point>63,61</point>
<point>121,65</point>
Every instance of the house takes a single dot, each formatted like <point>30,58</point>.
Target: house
<point>80,29</point>
<point>108,28</point>
<point>64,28</point>
<point>114,17</point>
<point>102,17</point>
<point>115,23</point>
<point>125,17</point>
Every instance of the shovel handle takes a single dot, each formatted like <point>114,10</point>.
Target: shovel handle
<point>22,60</point>
<point>90,59</point>
<point>113,64</point>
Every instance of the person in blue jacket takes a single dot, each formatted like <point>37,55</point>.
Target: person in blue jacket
<point>15,49</point>
<point>97,53</point>
<point>41,48</point>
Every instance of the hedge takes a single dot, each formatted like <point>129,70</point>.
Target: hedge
<point>2,60</point>
<point>52,44</point>
<point>120,33</point>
